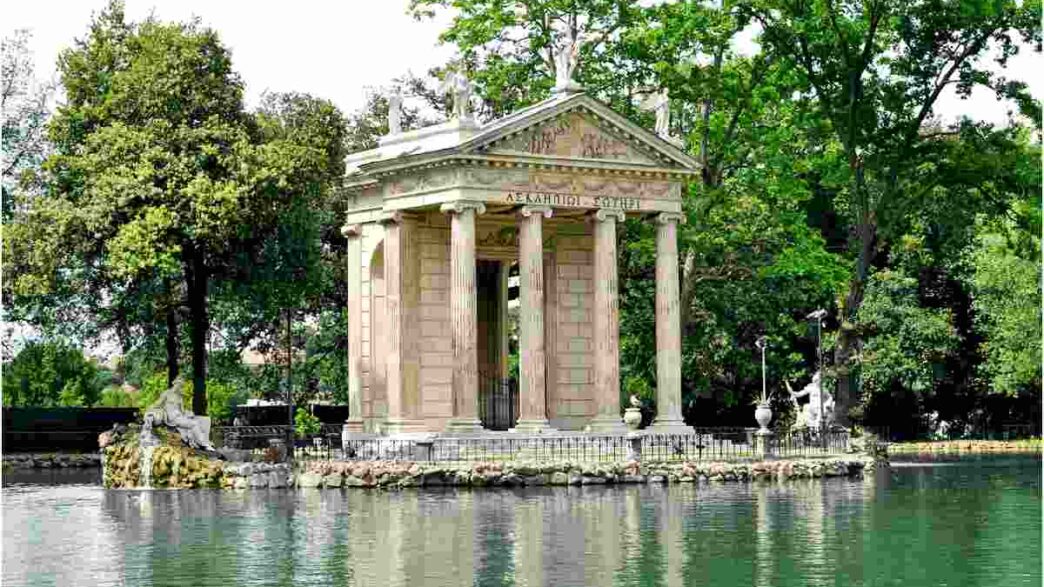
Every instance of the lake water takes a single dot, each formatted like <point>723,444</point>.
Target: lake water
<point>970,521</point>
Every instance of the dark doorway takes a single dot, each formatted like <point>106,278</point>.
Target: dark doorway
<point>498,390</point>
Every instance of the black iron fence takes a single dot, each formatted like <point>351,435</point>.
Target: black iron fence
<point>498,402</point>
<point>259,437</point>
<point>704,444</point>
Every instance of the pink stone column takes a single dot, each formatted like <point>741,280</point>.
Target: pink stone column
<point>668,328</point>
<point>464,315</point>
<point>606,324</point>
<point>402,296</point>
<point>532,396</point>
<point>353,232</point>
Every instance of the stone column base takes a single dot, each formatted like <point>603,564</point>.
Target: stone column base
<point>670,426</point>
<point>353,425</point>
<point>464,425</point>
<point>607,425</point>
<point>541,426</point>
<point>398,426</point>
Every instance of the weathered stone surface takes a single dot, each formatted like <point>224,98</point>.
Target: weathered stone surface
<point>258,480</point>
<point>304,480</point>
<point>278,479</point>
<point>333,481</point>
<point>592,480</point>
<point>241,482</point>
<point>559,478</point>
<point>657,479</point>
<point>353,481</point>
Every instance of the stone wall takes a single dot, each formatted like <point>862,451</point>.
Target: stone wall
<point>51,460</point>
<point>571,362</point>
<point>436,341</point>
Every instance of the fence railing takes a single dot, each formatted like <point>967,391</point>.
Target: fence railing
<point>704,445</point>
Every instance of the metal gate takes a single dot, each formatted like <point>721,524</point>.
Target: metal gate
<point>498,402</point>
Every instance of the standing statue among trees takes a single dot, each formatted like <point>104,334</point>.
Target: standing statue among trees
<point>819,404</point>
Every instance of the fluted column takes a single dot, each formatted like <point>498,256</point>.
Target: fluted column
<point>353,232</point>
<point>464,315</point>
<point>668,328</point>
<point>532,396</point>
<point>402,296</point>
<point>606,317</point>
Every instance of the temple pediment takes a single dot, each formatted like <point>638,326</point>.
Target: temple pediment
<point>570,151</point>
<point>573,136</point>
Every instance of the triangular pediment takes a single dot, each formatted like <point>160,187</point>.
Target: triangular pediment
<point>577,127</point>
<point>575,136</point>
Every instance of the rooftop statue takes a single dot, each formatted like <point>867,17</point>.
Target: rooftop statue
<point>660,104</point>
<point>167,411</point>
<point>395,112</point>
<point>457,85</point>
<point>567,57</point>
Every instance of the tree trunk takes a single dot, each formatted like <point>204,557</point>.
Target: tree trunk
<point>172,344</point>
<point>199,323</point>
<point>850,339</point>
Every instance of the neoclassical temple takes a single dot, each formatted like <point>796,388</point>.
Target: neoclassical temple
<point>438,220</point>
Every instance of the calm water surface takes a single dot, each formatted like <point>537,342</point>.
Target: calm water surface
<point>971,521</point>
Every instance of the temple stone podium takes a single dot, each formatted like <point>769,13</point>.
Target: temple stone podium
<point>440,220</point>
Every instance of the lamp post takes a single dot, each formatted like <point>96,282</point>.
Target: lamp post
<point>763,413</point>
<point>818,316</point>
<point>289,385</point>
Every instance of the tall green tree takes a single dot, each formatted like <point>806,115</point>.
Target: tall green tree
<point>876,69</point>
<point>51,373</point>
<point>161,182</point>
<point>24,107</point>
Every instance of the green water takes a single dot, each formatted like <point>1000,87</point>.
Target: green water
<point>971,521</point>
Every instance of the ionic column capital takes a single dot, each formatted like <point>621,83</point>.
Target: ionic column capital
<point>668,217</point>
<point>603,214</point>
<point>527,211</point>
<point>392,217</point>
<point>351,230</point>
<point>460,206</point>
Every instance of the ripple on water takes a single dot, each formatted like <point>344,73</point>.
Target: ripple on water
<point>972,521</point>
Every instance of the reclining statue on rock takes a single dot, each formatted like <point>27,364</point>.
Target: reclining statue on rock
<point>167,410</point>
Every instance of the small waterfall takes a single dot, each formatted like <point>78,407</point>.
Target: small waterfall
<point>146,467</point>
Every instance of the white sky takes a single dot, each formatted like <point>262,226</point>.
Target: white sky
<point>340,50</point>
<point>332,50</point>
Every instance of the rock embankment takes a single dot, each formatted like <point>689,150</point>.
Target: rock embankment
<point>52,460</point>
<point>391,474</point>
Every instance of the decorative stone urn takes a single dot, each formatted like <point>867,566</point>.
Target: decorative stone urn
<point>633,418</point>
<point>763,414</point>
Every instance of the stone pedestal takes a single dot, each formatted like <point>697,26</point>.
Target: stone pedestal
<point>606,316</point>
<point>532,397</point>
<point>464,315</point>
<point>668,328</point>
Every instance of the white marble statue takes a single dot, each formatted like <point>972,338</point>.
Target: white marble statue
<point>662,107</point>
<point>567,57</point>
<point>458,87</point>
<point>167,410</point>
<point>395,112</point>
<point>817,398</point>
<point>660,104</point>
